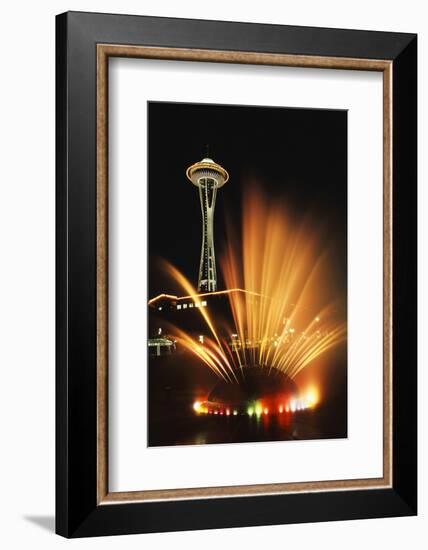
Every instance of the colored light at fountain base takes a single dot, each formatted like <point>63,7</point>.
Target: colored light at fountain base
<point>307,400</point>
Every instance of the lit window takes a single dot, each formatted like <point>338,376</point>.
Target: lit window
<point>204,304</point>
<point>179,307</point>
<point>190,305</point>
<point>184,306</point>
<point>201,338</point>
<point>197,304</point>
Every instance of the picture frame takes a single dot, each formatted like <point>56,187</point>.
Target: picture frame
<point>84,44</point>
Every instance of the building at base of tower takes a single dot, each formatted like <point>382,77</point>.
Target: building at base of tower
<point>167,310</point>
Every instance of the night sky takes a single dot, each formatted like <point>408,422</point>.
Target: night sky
<point>299,155</point>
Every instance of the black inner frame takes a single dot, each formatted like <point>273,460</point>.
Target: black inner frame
<point>77,513</point>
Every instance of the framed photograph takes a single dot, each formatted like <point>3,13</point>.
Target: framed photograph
<point>261,325</point>
<point>236,274</point>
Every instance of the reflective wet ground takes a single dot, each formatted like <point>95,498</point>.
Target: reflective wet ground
<point>176,381</point>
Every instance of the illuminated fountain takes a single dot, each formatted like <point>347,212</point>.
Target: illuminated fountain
<point>285,317</point>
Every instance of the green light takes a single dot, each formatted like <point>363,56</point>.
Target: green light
<point>250,411</point>
<point>259,409</point>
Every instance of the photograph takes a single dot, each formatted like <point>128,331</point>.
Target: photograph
<point>247,274</point>
<point>212,301</point>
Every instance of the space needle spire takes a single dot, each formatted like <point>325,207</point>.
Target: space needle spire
<point>208,176</point>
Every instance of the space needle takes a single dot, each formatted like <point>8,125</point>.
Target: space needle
<point>208,176</point>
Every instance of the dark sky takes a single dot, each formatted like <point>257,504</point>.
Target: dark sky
<point>300,156</point>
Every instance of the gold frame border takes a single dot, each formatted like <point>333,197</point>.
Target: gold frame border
<point>104,51</point>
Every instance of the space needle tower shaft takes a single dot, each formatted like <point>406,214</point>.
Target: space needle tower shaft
<point>208,176</point>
